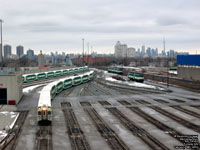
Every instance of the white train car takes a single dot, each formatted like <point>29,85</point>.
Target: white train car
<point>44,105</point>
<point>49,92</point>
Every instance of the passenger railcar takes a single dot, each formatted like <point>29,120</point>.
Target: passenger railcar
<point>51,74</point>
<point>44,115</point>
<point>41,75</point>
<point>85,78</point>
<point>59,87</point>
<point>136,77</point>
<point>116,70</point>
<point>77,80</point>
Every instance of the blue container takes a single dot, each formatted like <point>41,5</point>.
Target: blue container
<point>190,60</point>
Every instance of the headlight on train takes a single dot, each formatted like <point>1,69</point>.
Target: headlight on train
<point>44,108</point>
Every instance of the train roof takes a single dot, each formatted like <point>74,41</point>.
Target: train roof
<point>54,70</point>
<point>45,97</point>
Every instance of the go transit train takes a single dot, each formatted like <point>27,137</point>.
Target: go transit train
<point>52,74</point>
<point>44,110</point>
<point>116,70</point>
<point>136,77</point>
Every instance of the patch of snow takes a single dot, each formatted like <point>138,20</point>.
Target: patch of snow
<point>13,123</point>
<point>3,134</point>
<point>173,72</point>
<point>31,88</point>
<point>135,84</point>
<point>5,112</point>
<point>13,116</point>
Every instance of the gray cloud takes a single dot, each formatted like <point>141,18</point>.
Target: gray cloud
<point>61,24</point>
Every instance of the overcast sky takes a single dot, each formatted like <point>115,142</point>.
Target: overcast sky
<point>60,25</point>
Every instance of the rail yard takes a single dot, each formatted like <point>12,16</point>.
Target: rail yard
<point>93,112</point>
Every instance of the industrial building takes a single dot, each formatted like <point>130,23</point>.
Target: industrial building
<point>10,87</point>
<point>189,67</point>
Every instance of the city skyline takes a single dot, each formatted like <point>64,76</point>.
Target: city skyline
<point>61,25</point>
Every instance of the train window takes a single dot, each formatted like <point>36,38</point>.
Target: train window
<point>49,113</point>
<point>39,112</point>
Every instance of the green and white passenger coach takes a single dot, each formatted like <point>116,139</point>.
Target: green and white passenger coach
<point>52,74</point>
<point>44,113</point>
<point>136,77</point>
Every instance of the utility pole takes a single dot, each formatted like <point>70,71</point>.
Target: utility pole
<point>167,63</point>
<point>88,54</point>
<point>91,50</point>
<point>1,58</point>
<point>83,51</point>
<point>167,73</point>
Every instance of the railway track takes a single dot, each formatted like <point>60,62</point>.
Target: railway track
<point>147,138</point>
<point>10,141</point>
<point>165,128</point>
<point>125,90</point>
<point>66,92</point>
<point>135,90</point>
<point>120,90</point>
<point>76,135</point>
<point>100,89</point>
<point>196,106</point>
<point>106,132</point>
<point>44,138</point>
<point>177,100</point>
<point>182,121</point>
<point>103,103</point>
<point>194,99</point>
<point>143,102</point>
<point>123,102</point>
<point>161,101</point>
<point>187,111</point>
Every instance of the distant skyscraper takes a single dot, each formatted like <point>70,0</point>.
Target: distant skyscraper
<point>171,53</point>
<point>138,52</point>
<point>30,54</point>
<point>41,61</point>
<point>120,50</point>
<point>19,51</point>
<point>149,52</point>
<point>7,51</point>
<point>143,50</point>
<point>163,52</point>
<point>131,52</point>
<point>156,51</point>
<point>52,59</point>
<point>68,60</point>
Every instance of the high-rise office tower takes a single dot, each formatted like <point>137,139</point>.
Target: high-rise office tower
<point>19,51</point>
<point>41,61</point>
<point>30,54</point>
<point>120,50</point>
<point>143,50</point>
<point>7,51</point>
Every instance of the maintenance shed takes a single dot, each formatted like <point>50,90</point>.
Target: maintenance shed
<point>10,88</point>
